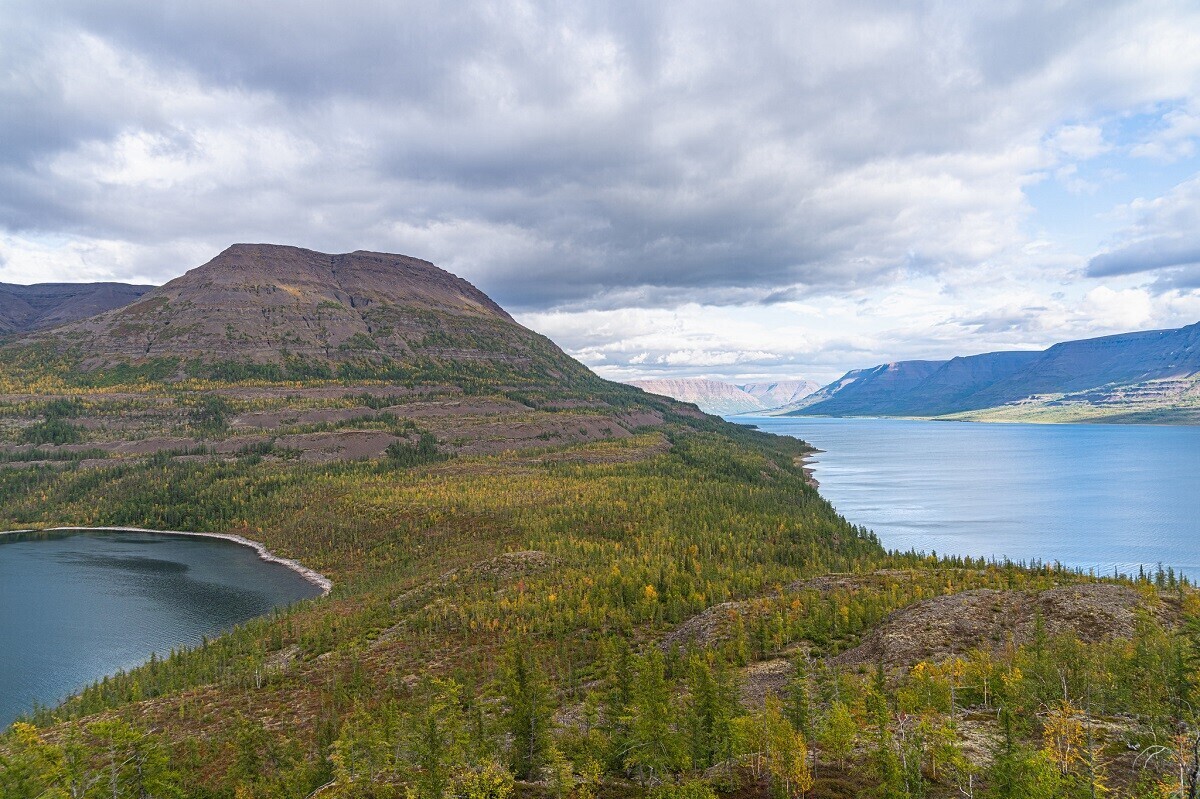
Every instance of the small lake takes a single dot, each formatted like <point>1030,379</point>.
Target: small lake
<point>75,606</point>
<point>1090,496</point>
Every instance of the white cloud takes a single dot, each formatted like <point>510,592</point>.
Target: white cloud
<point>1175,140</point>
<point>1128,309</point>
<point>1079,142</point>
<point>1161,235</point>
<point>762,189</point>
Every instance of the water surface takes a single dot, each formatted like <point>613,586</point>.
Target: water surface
<point>77,606</point>
<point>1090,496</point>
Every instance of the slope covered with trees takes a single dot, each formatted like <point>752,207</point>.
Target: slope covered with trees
<point>547,585</point>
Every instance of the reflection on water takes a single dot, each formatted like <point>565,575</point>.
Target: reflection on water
<point>76,606</point>
<point>1100,497</point>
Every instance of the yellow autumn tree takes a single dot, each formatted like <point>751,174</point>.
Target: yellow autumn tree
<point>1063,736</point>
<point>780,752</point>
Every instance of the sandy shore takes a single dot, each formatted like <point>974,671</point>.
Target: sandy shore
<point>316,578</point>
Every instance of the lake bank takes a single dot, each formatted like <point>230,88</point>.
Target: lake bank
<point>265,554</point>
<point>84,603</point>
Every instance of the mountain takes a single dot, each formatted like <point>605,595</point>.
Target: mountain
<point>291,353</point>
<point>44,305</point>
<point>777,395</point>
<point>861,391</point>
<point>1153,372</point>
<point>727,399</point>
<point>260,310</point>
<point>500,528</point>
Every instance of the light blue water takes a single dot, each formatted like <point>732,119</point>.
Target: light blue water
<point>1091,496</point>
<point>75,607</point>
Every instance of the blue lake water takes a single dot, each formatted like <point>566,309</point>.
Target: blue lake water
<point>1090,496</point>
<point>77,606</point>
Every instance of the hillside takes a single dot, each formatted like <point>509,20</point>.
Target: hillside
<point>545,585</point>
<point>727,399</point>
<point>323,357</point>
<point>44,305</point>
<point>271,311</point>
<point>1145,376</point>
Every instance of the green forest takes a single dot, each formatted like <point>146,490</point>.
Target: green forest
<point>669,612</point>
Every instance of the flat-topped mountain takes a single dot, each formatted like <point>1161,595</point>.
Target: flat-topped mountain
<point>727,399</point>
<point>1154,372</point>
<point>289,353</point>
<point>44,305</point>
<point>316,313</point>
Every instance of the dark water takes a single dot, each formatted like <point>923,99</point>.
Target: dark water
<point>1091,496</point>
<point>77,606</point>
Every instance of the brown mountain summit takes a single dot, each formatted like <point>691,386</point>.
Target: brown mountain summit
<point>269,304</point>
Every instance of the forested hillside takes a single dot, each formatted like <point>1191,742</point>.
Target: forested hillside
<point>547,585</point>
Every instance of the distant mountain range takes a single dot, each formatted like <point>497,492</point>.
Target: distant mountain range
<point>728,399</point>
<point>45,305</point>
<point>269,304</point>
<point>1150,376</point>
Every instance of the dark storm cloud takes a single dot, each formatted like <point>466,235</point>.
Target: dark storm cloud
<point>558,155</point>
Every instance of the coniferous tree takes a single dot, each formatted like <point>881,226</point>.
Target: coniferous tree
<point>653,749</point>
<point>527,710</point>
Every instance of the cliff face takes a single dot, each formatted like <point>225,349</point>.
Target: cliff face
<point>710,396</point>
<point>862,392</point>
<point>776,395</point>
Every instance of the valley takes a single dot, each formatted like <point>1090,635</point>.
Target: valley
<point>544,584</point>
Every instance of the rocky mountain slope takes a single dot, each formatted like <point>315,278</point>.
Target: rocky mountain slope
<point>1144,376</point>
<point>727,399</point>
<point>259,310</point>
<point>290,354</point>
<point>45,305</point>
<point>784,392</point>
<point>486,508</point>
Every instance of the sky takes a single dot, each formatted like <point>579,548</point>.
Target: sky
<point>670,189</point>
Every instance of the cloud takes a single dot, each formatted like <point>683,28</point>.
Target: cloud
<point>619,154</point>
<point>1175,139</point>
<point>1146,256</point>
<point>1079,141</point>
<point>1159,234</point>
<point>634,159</point>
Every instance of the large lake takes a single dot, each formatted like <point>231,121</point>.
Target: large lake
<point>1090,496</point>
<point>77,606</point>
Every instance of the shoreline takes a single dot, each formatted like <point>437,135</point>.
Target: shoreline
<point>311,575</point>
<point>808,467</point>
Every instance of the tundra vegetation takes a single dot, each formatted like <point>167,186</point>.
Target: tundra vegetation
<point>566,619</point>
<point>546,585</point>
